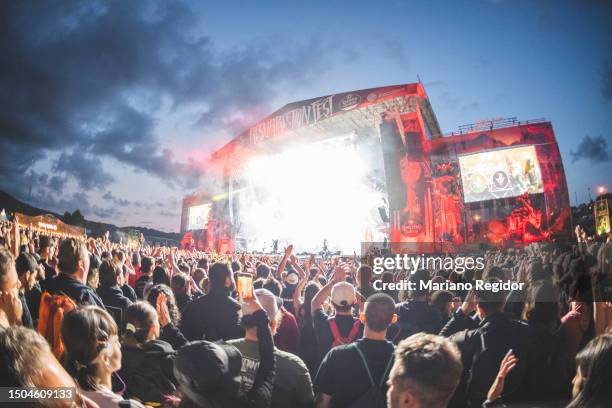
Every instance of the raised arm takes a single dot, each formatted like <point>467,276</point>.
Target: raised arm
<point>297,293</point>
<point>319,298</point>
<point>260,394</point>
<point>283,262</point>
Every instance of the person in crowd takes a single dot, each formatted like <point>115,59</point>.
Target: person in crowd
<point>442,301</point>
<point>292,384</point>
<point>287,337</point>
<point>204,264</point>
<point>26,361</point>
<point>591,385</point>
<point>386,278</point>
<point>127,290</point>
<point>426,372</point>
<point>416,314</point>
<point>73,260</point>
<point>578,322</point>
<point>109,290</point>
<point>159,277</point>
<point>541,312</point>
<point>209,373</point>
<point>484,344</point>
<point>214,316</point>
<point>93,275</point>
<point>199,277</point>
<point>46,251</point>
<point>342,328</point>
<point>136,265</point>
<point>262,271</point>
<point>182,290</point>
<point>169,330</point>
<point>29,290</point>
<point>92,353</point>
<point>146,269</point>
<point>368,360</point>
<point>147,362</point>
<point>13,306</point>
<point>364,281</point>
<point>308,350</point>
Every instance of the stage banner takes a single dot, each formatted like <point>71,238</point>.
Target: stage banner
<point>602,216</point>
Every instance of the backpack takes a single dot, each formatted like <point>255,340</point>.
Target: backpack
<point>50,317</point>
<point>338,339</point>
<point>374,397</point>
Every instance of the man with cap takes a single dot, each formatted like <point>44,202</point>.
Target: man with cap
<point>342,328</point>
<point>209,373</point>
<point>292,384</point>
<point>356,374</point>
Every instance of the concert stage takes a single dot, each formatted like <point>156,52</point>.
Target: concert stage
<point>373,165</point>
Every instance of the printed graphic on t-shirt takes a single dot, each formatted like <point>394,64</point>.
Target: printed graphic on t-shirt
<point>247,374</point>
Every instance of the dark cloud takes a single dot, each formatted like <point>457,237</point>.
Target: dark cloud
<point>590,148</point>
<point>110,197</point>
<point>87,79</point>
<point>86,169</point>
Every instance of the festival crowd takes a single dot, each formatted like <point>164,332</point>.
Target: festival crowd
<point>148,325</point>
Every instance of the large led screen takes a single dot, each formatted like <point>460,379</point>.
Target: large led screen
<point>198,216</point>
<point>500,174</point>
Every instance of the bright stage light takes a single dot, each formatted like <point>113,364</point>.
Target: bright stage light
<point>601,189</point>
<point>307,194</point>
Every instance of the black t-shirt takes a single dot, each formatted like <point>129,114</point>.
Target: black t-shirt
<point>343,375</point>
<point>323,332</point>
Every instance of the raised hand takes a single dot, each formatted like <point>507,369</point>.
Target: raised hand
<point>11,306</point>
<point>507,364</point>
<point>469,304</point>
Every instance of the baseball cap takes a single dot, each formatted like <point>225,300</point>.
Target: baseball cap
<point>268,302</point>
<point>201,367</point>
<point>343,294</point>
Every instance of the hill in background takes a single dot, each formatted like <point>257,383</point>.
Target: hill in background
<point>95,229</point>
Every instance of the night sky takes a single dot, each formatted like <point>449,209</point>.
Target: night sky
<point>112,107</point>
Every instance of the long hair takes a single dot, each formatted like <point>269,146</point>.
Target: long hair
<point>175,315</point>
<point>160,276</point>
<point>595,365</point>
<point>310,291</point>
<point>86,332</point>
